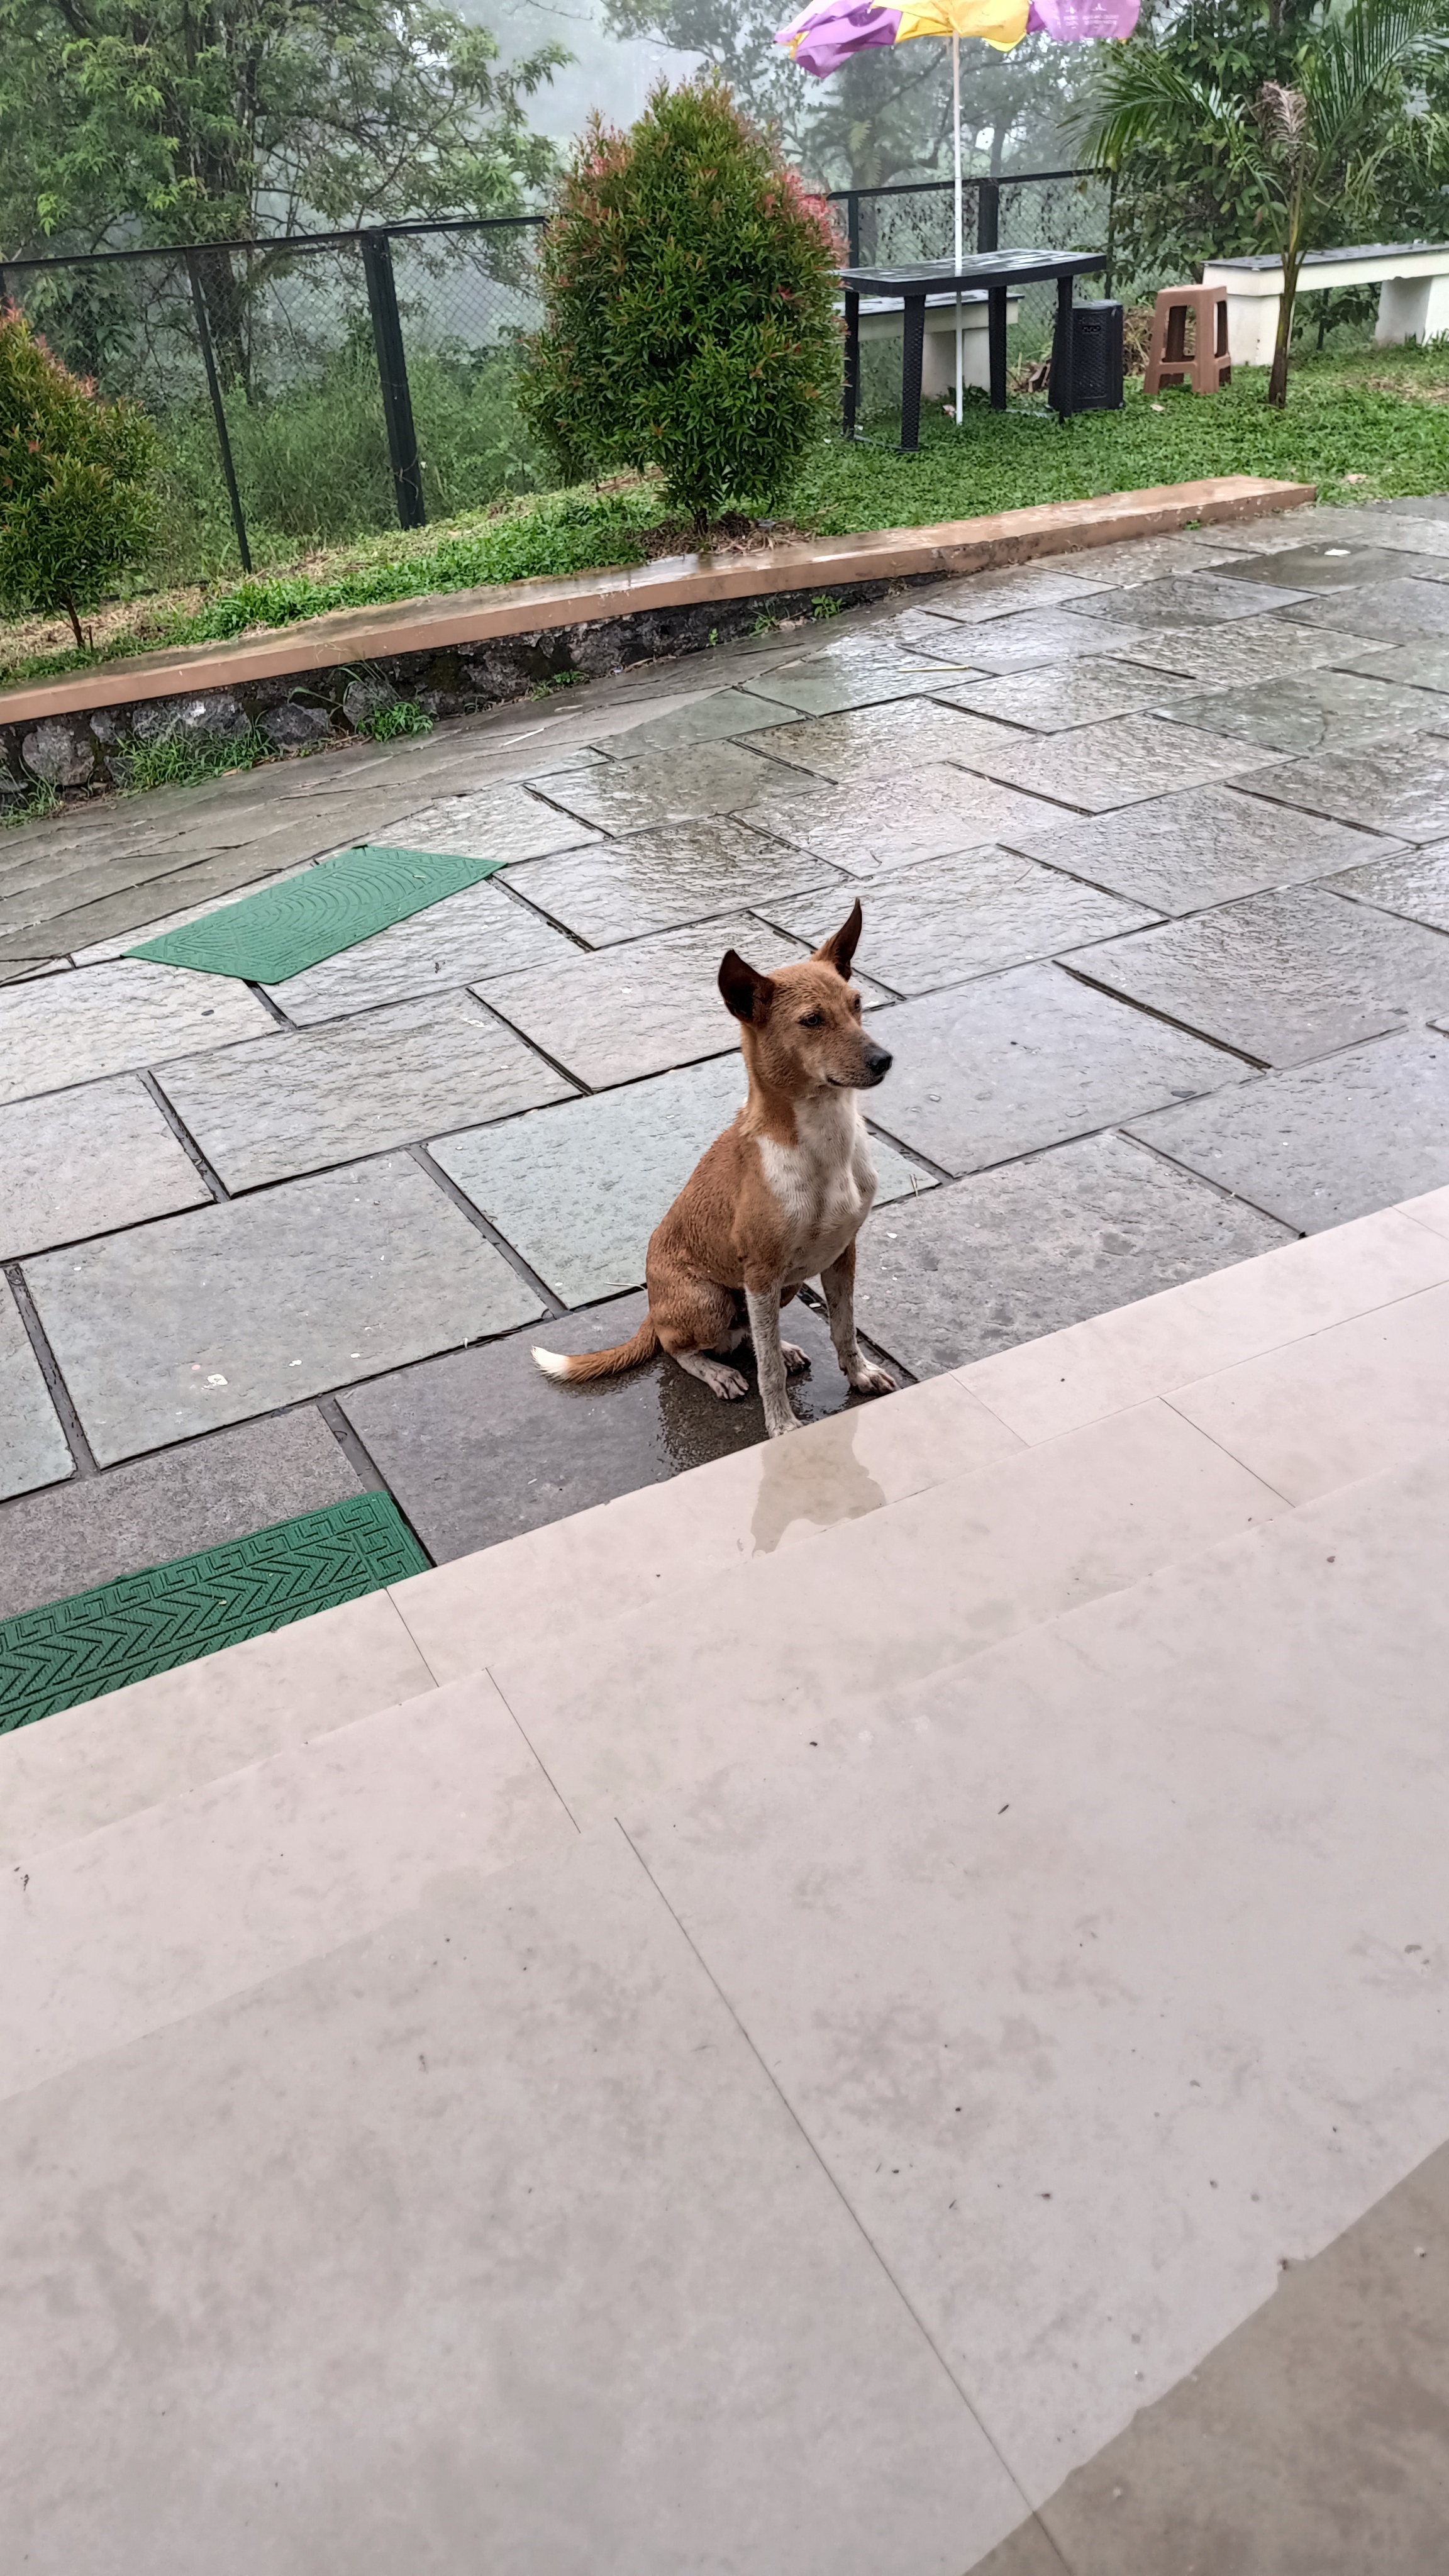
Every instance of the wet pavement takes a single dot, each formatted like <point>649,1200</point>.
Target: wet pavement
<point>1153,850</point>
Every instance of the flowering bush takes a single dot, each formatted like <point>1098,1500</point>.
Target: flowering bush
<point>76,505</point>
<point>689,286</point>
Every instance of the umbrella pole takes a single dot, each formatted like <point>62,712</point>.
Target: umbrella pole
<point>956,127</point>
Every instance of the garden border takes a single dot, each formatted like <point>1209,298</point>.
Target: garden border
<point>457,652</point>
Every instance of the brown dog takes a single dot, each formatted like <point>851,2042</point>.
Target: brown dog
<point>779,1198</point>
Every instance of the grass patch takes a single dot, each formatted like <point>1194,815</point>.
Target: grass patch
<point>33,807</point>
<point>386,724</point>
<point>177,762</point>
<point>1362,424</point>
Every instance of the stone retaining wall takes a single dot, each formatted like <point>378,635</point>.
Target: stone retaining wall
<point>89,750</point>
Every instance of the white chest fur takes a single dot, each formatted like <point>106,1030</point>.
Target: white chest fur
<point>824,1183</point>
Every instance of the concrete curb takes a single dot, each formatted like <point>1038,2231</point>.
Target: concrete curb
<point>463,650</point>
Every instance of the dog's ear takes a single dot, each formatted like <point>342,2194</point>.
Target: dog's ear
<point>747,993</point>
<point>838,950</point>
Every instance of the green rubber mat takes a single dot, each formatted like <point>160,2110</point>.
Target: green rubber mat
<point>282,929</point>
<point>69,1651</point>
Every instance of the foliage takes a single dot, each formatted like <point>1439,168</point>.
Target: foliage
<point>197,119</point>
<point>312,463</point>
<point>178,762</point>
<point>689,294</point>
<point>387,724</point>
<point>76,504</point>
<point>1362,424</point>
<point>1306,151</point>
<point>38,801</point>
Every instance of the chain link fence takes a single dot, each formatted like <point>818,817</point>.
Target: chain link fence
<point>312,389</point>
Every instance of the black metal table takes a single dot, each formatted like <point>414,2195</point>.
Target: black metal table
<point>998,271</point>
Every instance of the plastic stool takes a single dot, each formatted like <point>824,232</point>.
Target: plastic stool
<point>1210,365</point>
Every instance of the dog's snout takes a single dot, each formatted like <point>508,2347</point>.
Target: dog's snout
<point>877,1063</point>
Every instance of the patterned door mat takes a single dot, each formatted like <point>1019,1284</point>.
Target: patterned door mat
<point>282,929</point>
<point>69,1651</point>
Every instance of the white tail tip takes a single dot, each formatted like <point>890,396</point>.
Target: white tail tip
<point>552,1363</point>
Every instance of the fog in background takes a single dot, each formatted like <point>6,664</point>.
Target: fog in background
<point>608,73</point>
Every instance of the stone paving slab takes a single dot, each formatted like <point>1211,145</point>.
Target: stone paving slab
<point>224,1486</point>
<point>1416,888</point>
<point>1311,711</point>
<point>714,716</point>
<point>1016,1061</point>
<point>1035,635</point>
<point>33,1447</point>
<point>200,1320</point>
<point>1131,561</point>
<point>1323,1142</point>
<point>1180,853</point>
<point>467,938</point>
<point>977,597</point>
<point>880,742</point>
<point>878,825</point>
<point>1421,665</point>
<point>503,823</point>
<point>1189,599</point>
<point>579,1190</point>
<point>480,1445</point>
<point>827,686</point>
<point>1099,766</point>
<point>1061,694</point>
<point>647,1004</point>
<point>291,1104</point>
<point>1284,976</point>
<point>78,1027</point>
<point>636,796</point>
<point>84,1162</point>
<point>1259,648</point>
<point>1399,788</point>
<point>1395,610</point>
<point>661,880</point>
<point>1334,563</point>
<point>1001,1258</point>
<point>952,918</point>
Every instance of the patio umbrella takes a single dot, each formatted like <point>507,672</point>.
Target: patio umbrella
<point>827,33</point>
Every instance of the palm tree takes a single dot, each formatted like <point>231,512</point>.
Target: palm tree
<point>1304,151</point>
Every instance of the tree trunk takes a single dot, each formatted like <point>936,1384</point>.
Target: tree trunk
<point>1278,373</point>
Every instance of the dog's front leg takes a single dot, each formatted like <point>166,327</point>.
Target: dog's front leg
<point>838,1283</point>
<point>763,1308</point>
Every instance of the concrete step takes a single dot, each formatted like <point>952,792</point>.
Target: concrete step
<point>118,1931</point>
<point>907,2108</point>
<point>1333,1403</point>
<point>90,1766</point>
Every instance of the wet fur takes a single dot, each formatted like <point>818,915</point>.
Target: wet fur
<point>779,1198</point>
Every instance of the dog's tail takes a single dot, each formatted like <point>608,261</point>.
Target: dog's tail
<point>580,1365</point>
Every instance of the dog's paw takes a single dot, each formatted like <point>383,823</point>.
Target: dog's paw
<point>789,1422</point>
<point>873,1381</point>
<point>794,1358</point>
<point>727,1383</point>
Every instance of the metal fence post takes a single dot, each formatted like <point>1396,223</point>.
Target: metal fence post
<point>852,316</point>
<point>392,375</point>
<point>988,213</point>
<point>218,410</point>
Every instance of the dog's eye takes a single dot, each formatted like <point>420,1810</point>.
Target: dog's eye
<point>813,1020</point>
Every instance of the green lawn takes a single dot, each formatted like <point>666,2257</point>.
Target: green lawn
<point>1373,424</point>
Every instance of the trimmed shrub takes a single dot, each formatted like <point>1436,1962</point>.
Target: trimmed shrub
<point>76,500</point>
<point>689,286</point>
